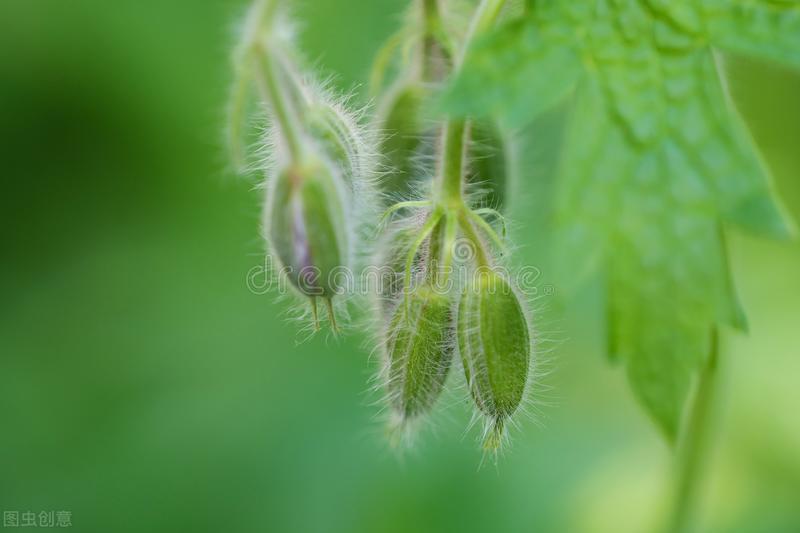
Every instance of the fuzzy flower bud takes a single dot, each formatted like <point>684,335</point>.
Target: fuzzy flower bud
<point>419,351</point>
<point>340,138</point>
<point>495,345</point>
<point>306,226</point>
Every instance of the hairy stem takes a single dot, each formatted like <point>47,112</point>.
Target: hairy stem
<point>272,91</point>
<point>455,132</point>
<point>432,48</point>
<point>449,242</point>
<point>694,445</point>
<point>481,257</point>
<point>485,15</point>
<point>453,156</point>
<point>259,19</point>
<point>424,233</point>
<point>430,9</point>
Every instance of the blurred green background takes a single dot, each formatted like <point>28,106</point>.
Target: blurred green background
<point>145,389</point>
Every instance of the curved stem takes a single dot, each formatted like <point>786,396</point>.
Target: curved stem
<point>694,445</point>
<point>424,232</point>
<point>259,19</point>
<point>403,205</point>
<point>481,257</point>
<point>485,15</point>
<point>258,23</point>
<point>450,236</point>
<point>489,230</point>
<point>382,61</point>
<point>272,91</point>
<point>494,213</point>
<point>434,46</point>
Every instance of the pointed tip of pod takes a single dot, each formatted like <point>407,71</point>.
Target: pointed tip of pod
<point>331,315</point>
<point>399,431</point>
<point>330,310</point>
<point>314,314</point>
<point>495,434</point>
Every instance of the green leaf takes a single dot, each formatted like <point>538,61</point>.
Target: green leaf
<point>768,29</point>
<point>655,161</point>
<point>503,76</point>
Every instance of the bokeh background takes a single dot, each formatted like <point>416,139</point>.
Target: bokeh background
<point>144,388</point>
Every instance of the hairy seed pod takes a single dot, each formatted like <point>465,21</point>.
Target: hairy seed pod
<point>339,138</point>
<point>495,347</point>
<point>419,351</point>
<point>489,165</point>
<point>402,127</point>
<point>306,227</point>
<point>391,259</point>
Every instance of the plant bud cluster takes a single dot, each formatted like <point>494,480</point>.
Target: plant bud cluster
<point>452,180</point>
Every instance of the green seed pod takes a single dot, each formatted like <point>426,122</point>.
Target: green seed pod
<point>402,127</point>
<point>489,165</point>
<point>391,258</point>
<point>419,351</point>
<point>306,226</point>
<point>339,138</point>
<point>495,346</point>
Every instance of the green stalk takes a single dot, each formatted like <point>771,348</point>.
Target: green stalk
<point>259,20</point>
<point>272,91</point>
<point>455,141</point>
<point>455,131</point>
<point>433,30</point>
<point>481,257</point>
<point>485,15</point>
<point>430,9</point>
<point>694,445</point>
<point>257,50</point>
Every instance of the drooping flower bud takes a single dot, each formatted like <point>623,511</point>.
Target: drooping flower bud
<point>495,345</point>
<point>340,138</point>
<point>419,351</point>
<point>391,260</point>
<point>306,226</point>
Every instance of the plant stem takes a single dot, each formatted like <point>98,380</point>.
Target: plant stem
<point>272,91</point>
<point>485,15</point>
<point>454,142</point>
<point>481,258</point>
<point>430,9</point>
<point>257,51</point>
<point>433,51</point>
<point>695,444</point>
<point>455,131</point>
<point>259,18</point>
